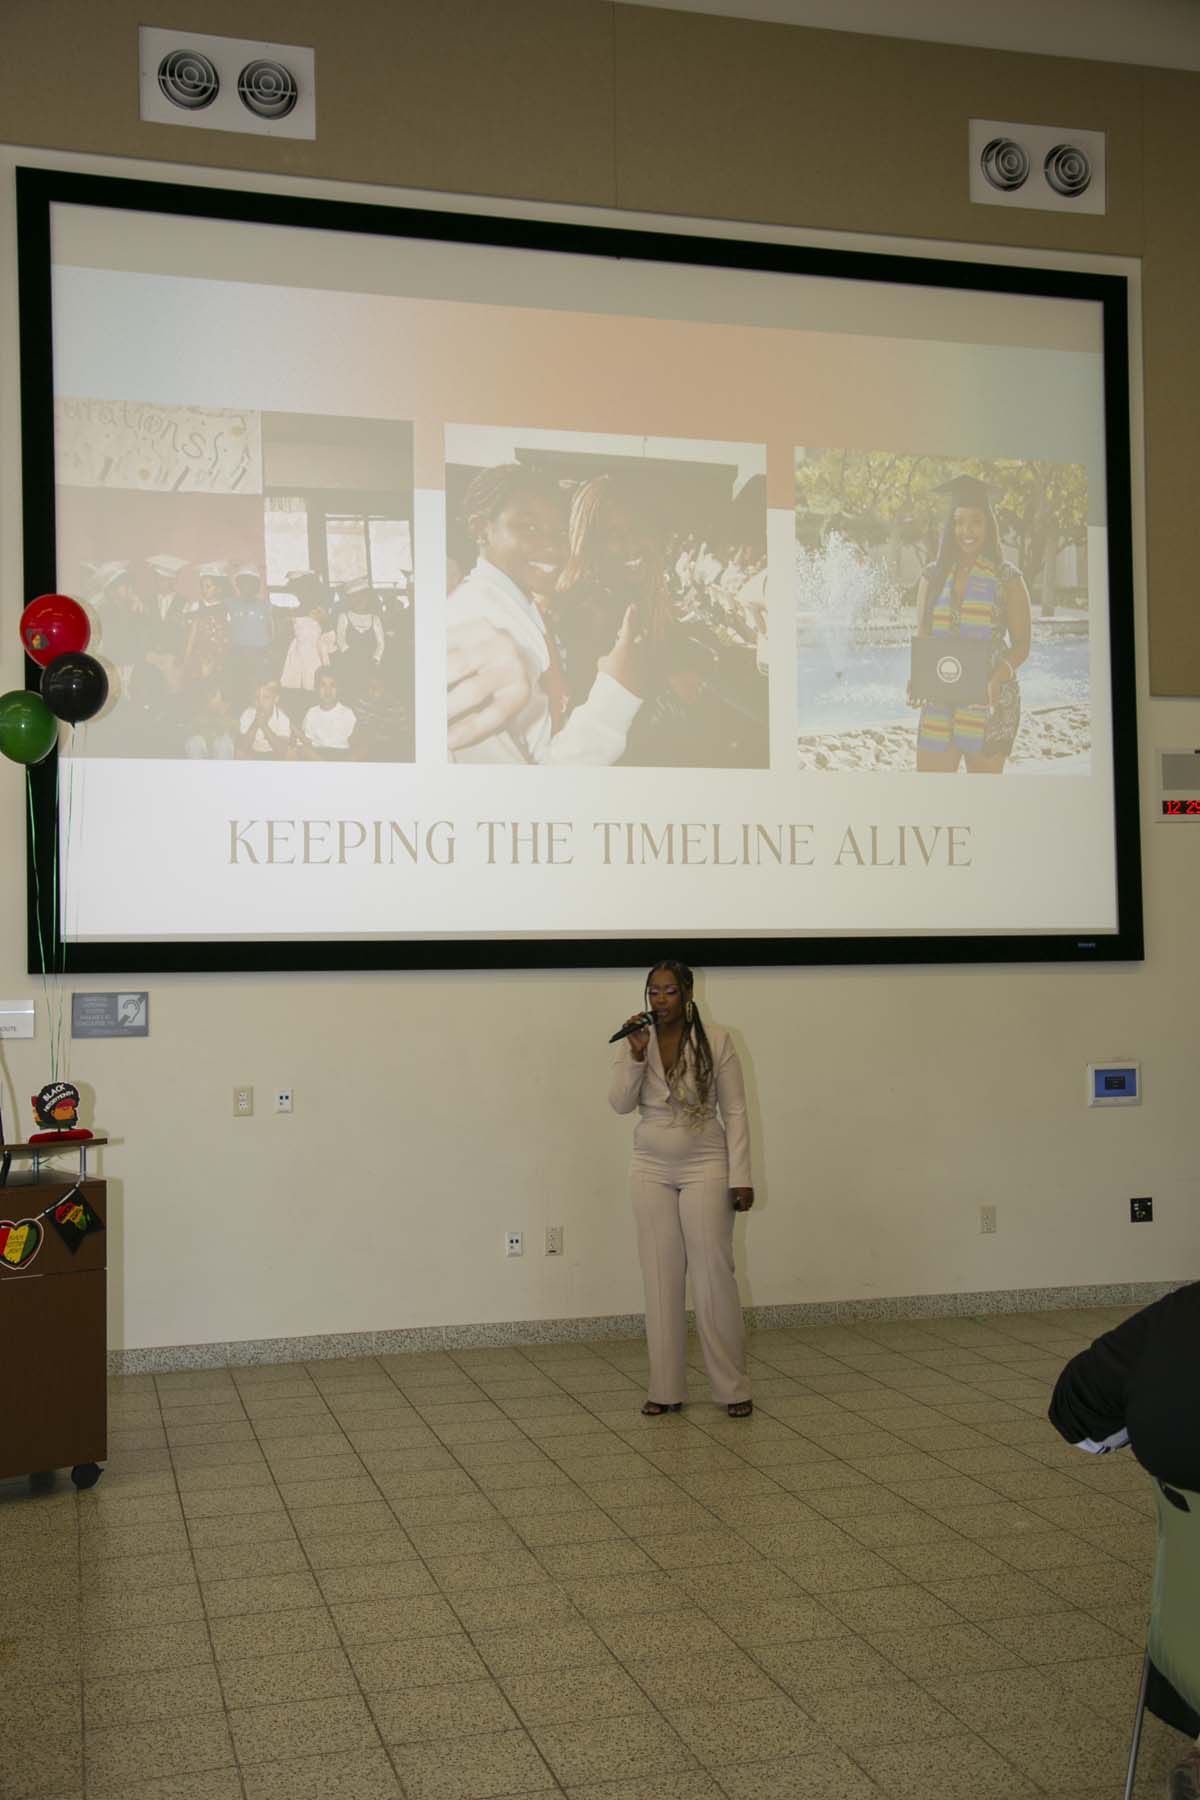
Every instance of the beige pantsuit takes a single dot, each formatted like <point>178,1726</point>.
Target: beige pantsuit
<point>680,1179</point>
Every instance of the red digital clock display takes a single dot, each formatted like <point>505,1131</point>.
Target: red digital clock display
<point>1181,809</point>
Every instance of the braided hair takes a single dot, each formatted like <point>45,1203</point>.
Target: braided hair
<point>693,1029</point>
<point>489,492</point>
<point>940,569</point>
<point>591,503</point>
<point>587,511</point>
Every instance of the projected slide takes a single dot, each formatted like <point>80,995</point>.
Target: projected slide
<point>565,599</point>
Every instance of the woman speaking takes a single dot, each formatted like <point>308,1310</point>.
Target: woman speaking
<point>690,1174</point>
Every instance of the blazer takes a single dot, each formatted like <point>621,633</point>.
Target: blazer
<point>643,1085</point>
<point>1138,1385</point>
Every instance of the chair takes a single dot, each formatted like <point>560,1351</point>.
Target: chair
<point>1173,1640</point>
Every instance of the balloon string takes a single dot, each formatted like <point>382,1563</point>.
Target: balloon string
<point>57,1064</point>
<point>75,773</point>
<point>37,907</point>
<point>74,741</point>
<point>62,854</point>
<point>54,923</point>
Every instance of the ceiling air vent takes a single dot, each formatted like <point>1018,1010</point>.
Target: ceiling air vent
<point>1068,169</point>
<point>1005,164</point>
<point>267,89</point>
<point>1047,168</point>
<point>188,79</point>
<point>211,83</point>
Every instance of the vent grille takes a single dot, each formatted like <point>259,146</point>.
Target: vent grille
<point>1068,169</point>
<point>206,83</point>
<point>188,79</point>
<point>1005,164</point>
<point>268,89</point>
<point>1045,168</point>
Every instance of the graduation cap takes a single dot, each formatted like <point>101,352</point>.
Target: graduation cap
<point>214,571</point>
<point>105,574</point>
<point>247,572</point>
<point>163,564</point>
<point>967,490</point>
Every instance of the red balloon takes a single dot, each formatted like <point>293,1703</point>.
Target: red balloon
<point>53,624</point>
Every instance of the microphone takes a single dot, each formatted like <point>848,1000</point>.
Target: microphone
<point>639,1024</point>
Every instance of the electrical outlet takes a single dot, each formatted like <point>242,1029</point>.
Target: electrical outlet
<point>283,1100</point>
<point>987,1220</point>
<point>514,1243</point>
<point>1141,1212</point>
<point>243,1102</point>
<point>554,1240</point>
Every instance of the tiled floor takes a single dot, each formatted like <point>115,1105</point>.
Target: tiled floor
<point>485,1574</point>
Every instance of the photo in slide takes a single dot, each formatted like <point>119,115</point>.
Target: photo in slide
<point>943,617</point>
<point>250,575</point>
<point>628,575</point>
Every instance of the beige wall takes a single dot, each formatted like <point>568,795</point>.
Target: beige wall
<point>433,1112</point>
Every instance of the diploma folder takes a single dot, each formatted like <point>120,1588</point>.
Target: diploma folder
<point>950,672</point>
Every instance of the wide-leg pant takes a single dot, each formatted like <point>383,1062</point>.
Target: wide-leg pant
<point>686,1228</point>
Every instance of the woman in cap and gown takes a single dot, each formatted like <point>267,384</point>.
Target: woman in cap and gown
<point>970,593</point>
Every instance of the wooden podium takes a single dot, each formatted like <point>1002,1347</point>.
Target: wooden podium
<point>53,1336</point>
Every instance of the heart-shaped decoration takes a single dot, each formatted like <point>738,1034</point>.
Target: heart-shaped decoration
<point>20,1241</point>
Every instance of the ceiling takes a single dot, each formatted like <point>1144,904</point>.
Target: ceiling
<point>1162,33</point>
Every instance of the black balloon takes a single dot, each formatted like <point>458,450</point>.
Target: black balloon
<point>74,686</point>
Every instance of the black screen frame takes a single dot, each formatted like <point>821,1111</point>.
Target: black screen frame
<point>39,190</point>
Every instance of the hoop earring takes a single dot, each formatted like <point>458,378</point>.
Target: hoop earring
<point>689,1012</point>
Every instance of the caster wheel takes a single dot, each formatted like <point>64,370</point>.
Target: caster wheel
<point>86,1475</point>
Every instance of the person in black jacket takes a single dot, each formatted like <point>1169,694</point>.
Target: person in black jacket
<point>1139,1385</point>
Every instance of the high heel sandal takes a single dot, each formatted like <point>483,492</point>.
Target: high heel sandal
<point>652,1408</point>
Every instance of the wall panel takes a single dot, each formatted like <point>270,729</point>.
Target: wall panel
<point>1171,291</point>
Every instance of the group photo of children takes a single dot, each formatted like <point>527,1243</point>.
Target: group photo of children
<point>607,600</point>
<point>250,578</point>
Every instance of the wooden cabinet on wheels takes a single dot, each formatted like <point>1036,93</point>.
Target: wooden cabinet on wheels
<point>53,1336</point>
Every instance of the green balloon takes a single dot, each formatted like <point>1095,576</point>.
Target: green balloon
<point>28,729</point>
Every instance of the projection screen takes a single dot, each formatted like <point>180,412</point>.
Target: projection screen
<point>483,591</point>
